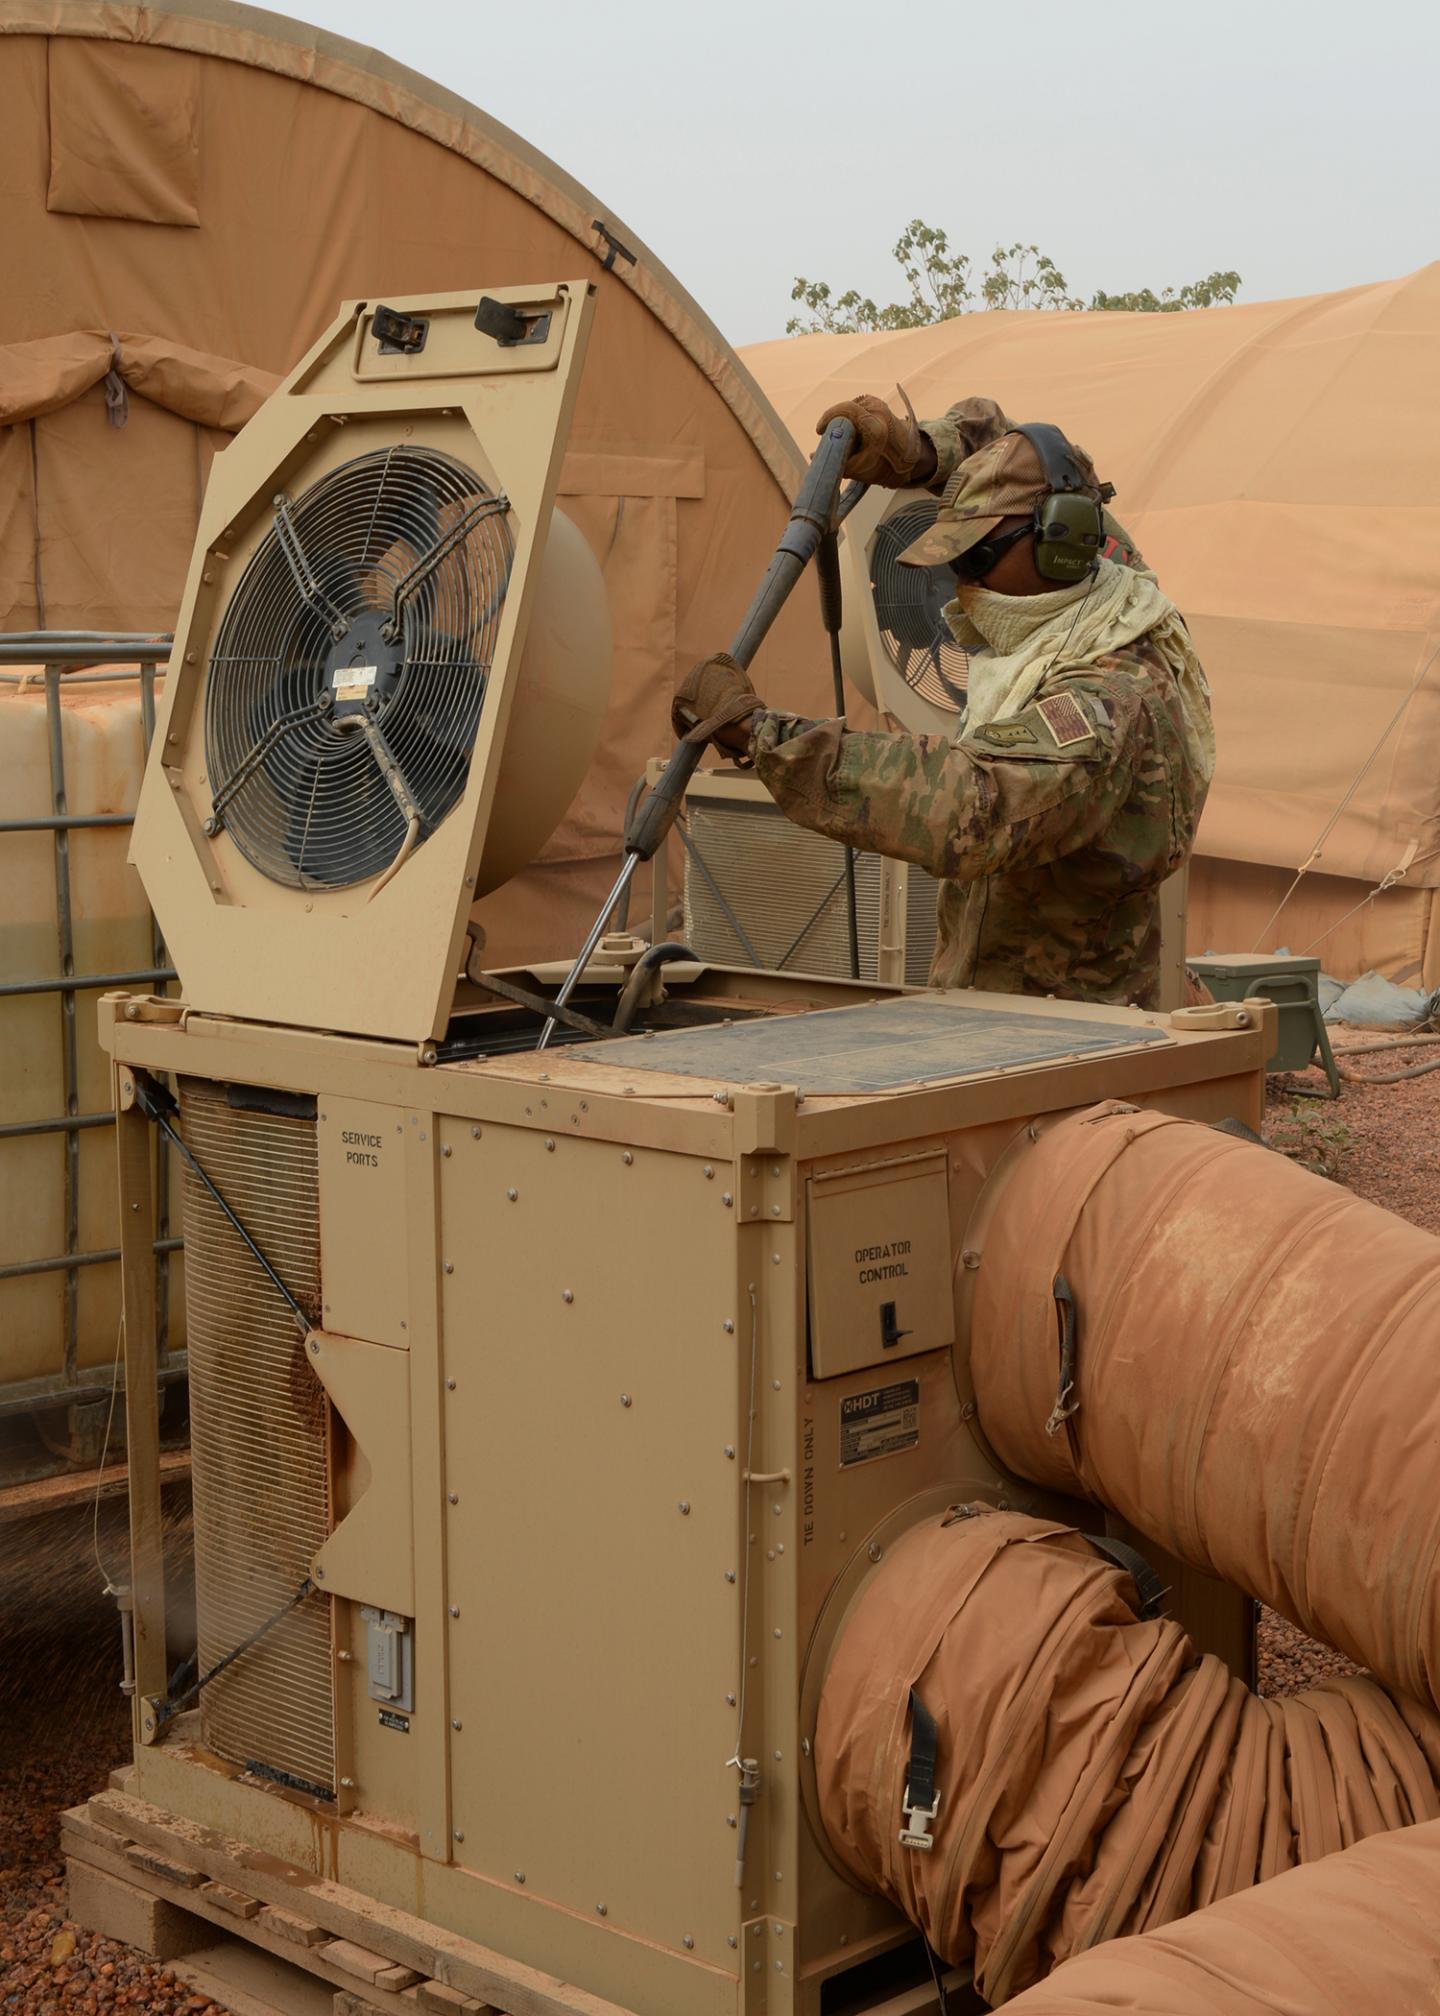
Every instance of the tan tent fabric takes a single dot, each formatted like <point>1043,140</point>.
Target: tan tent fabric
<point>124,133</point>
<point>326,172</point>
<point>1279,462</point>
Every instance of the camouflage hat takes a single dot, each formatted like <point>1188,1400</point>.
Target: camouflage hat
<point>1004,479</point>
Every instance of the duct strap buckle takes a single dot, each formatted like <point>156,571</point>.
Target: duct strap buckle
<point>922,1796</point>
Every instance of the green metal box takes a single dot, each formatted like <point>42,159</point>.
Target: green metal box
<point>1292,981</point>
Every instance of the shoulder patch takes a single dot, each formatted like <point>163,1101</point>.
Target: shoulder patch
<point>1007,734</point>
<point>1066,719</point>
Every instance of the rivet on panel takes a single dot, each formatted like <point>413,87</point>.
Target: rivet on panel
<point>875,1551</point>
<point>345,1657</point>
<point>728,1327</point>
<point>781,1548</point>
<point>348,1783</point>
<point>729,1574</point>
<point>603,1909</point>
<point>769,1553</point>
<point>474,1133</point>
<point>731,1940</point>
<point>456,1723</point>
<point>729,1700</point>
<point>778,1929</point>
<point>626,1401</point>
<point>970,1257</point>
<point>519,1875</point>
<point>454,1609</point>
<point>730,1451</point>
<point>775,1385</point>
<point>459,1833</point>
<point>449,1385</point>
<point>315,1348</point>
<point>967,1412</point>
<point>512,1195</point>
<point>754,1210</point>
<point>804,1746</point>
<point>731,1820</point>
<point>685,1507</point>
<point>777,1508</point>
<point>776,1258</point>
<point>319,1574</point>
<point>447,1149</point>
<point>449,1266</point>
<point>567,1294</point>
<point>627,1158</point>
<point>687,1941</point>
<point>549,1145</point>
<point>709,1173</point>
<point>726,1198</point>
<point>454,1497</point>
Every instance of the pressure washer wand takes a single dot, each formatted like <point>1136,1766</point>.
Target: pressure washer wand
<point>816,512</point>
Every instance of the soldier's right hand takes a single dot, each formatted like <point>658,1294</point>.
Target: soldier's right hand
<point>889,447</point>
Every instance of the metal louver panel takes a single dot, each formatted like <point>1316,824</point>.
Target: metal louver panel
<point>258,1436</point>
<point>786,888</point>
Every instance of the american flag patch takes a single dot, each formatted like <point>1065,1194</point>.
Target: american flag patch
<point>1066,719</point>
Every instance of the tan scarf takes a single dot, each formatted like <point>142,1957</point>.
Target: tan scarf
<point>1017,641</point>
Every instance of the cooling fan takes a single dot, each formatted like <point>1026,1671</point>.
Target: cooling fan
<point>350,669</point>
<point>390,668</point>
<point>897,645</point>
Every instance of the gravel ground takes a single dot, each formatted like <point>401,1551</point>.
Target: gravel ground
<point>64,1725</point>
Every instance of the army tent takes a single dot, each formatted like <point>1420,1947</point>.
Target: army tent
<point>189,192</point>
<point>1279,463</point>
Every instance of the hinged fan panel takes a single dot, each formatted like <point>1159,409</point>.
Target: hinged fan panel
<point>325,784</point>
<point>897,647</point>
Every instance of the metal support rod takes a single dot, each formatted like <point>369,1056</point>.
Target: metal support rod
<point>597,931</point>
<point>55,1263</point>
<point>66,822</point>
<point>73,983</point>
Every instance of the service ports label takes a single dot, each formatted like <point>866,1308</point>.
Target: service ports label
<point>879,1422</point>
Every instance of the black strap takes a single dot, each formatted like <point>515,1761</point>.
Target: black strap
<point>1147,1580</point>
<point>924,1749</point>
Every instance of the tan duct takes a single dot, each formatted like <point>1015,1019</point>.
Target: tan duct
<point>1097,1775</point>
<point>1254,1377</point>
<point>1355,1935</point>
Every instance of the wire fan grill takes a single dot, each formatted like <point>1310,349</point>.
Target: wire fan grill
<point>908,605</point>
<point>258,1419</point>
<point>349,674</point>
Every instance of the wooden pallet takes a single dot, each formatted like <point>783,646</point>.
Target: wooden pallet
<point>268,1940</point>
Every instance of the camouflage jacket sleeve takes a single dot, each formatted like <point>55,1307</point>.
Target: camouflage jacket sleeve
<point>1017,793</point>
<point>969,424</point>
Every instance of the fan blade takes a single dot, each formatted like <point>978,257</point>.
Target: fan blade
<point>416,576</point>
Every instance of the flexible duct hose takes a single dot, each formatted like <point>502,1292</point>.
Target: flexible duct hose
<point>1097,1775</point>
<point>1355,1935</point>
<point>1256,1369</point>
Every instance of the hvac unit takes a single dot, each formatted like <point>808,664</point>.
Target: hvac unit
<point>552,1407</point>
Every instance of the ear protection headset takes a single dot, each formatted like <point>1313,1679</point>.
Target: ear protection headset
<point>1069,522</point>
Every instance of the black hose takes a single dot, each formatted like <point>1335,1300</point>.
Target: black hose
<point>653,956</point>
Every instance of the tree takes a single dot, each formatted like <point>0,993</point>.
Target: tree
<point>944,283</point>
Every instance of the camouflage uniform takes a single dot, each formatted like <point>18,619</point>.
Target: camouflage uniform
<point>1051,830</point>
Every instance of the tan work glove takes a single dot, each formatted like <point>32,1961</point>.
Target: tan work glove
<point>715,703</point>
<point>889,447</point>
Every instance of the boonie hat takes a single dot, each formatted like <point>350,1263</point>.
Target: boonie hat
<point>1003,479</point>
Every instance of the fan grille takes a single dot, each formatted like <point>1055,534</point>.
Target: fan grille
<point>908,606</point>
<point>350,670</point>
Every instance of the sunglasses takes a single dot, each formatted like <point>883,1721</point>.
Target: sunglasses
<point>976,562</point>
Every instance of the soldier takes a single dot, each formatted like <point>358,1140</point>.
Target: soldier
<point>1076,783</point>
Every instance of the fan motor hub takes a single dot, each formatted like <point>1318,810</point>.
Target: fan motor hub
<point>363,669</point>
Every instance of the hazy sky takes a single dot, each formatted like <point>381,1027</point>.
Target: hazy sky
<point>1140,144</point>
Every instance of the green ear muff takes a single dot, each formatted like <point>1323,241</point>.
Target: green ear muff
<point>1069,533</point>
<point>1069,522</point>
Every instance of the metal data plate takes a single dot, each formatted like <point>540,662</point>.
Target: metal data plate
<point>874,1047</point>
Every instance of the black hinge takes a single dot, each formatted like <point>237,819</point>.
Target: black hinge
<point>396,333</point>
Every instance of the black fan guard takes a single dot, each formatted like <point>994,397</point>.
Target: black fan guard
<point>908,602</point>
<point>351,666</point>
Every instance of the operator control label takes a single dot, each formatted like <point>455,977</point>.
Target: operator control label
<point>390,1720</point>
<point>880,1422</point>
<point>353,682</point>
